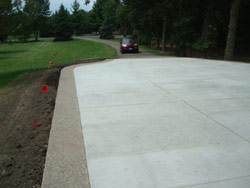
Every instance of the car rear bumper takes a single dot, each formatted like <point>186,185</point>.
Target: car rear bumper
<point>130,49</point>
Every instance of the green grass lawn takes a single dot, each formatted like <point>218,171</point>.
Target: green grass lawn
<point>19,58</point>
<point>117,39</point>
<point>153,51</point>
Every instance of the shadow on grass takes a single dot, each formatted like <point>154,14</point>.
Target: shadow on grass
<point>1,58</point>
<point>7,78</point>
<point>12,51</point>
<point>7,54</point>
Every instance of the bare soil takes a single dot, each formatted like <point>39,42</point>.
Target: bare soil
<point>23,147</point>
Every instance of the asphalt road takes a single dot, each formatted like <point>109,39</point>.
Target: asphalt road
<point>116,46</point>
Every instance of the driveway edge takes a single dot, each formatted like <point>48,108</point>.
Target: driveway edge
<point>66,165</point>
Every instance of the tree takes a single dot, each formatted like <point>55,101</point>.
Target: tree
<point>164,33</point>
<point>78,18</point>
<point>37,11</point>
<point>21,22</point>
<point>47,27</point>
<point>23,29</point>
<point>232,28</point>
<point>208,35</point>
<point>122,20</point>
<point>109,11</point>
<point>101,10</point>
<point>164,10</point>
<point>63,29</point>
<point>106,29</point>
<point>87,2</point>
<point>97,14</point>
<point>243,29</point>
<point>140,16</point>
<point>187,25</point>
<point>5,19</point>
<point>75,6</point>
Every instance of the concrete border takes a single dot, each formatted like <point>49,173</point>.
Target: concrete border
<point>66,165</point>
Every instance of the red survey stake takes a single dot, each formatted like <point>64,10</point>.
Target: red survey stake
<point>34,125</point>
<point>44,88</point>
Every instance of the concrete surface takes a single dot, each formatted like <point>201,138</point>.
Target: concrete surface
<point>167,122</point>
<point>66,165</point>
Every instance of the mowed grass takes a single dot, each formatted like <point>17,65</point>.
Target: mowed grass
<point>19,58</point>
<point>153,51</point>
<point>117,40</point>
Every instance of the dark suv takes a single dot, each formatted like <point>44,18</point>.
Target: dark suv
<point>129,45</point>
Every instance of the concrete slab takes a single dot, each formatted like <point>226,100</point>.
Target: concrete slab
<point>234,114</point>
<point>168,122</point>
<point>243,182</point>
<point>113,85</point>
<point>138,129</point>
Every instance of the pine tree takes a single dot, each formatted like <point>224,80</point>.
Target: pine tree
<point>106,29</point>
<point>63,28</point>
<point>77,18</point>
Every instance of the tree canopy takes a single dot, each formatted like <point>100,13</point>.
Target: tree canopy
<point>63,27</point>
<point>187,28</point>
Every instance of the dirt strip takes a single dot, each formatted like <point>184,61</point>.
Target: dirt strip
<point>25,123</point>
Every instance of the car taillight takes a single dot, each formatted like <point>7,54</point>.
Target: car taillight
<point>124,45</point>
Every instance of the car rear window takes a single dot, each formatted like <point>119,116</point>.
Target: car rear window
<point>124,41</point>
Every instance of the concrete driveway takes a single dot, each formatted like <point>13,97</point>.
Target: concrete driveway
<point>166,123</point>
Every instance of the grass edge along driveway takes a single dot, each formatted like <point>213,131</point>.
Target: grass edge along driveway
<point>19,58</point>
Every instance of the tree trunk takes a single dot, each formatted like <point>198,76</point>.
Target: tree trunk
<point>191,49</point>
<point>229,52</point>
<point>125,30</point>
<point>36,35</point>
<point>164,33</point>
<point>183,50</point>
<point>206,32</point>
<point>158,40</point>
<point>158,37</point>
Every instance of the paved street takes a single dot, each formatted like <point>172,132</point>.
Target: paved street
<point>166,122</point>
<point>116,46</point>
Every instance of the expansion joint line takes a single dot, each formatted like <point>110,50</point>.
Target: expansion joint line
<point>219,181</point>
<point>196,109</point>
